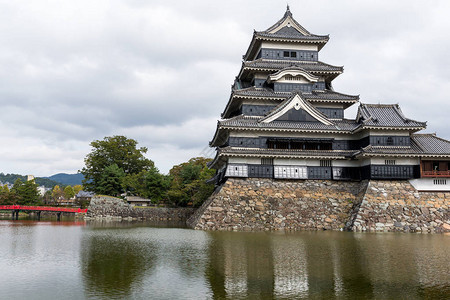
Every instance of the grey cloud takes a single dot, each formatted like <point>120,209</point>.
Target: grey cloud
<point>160,71</point>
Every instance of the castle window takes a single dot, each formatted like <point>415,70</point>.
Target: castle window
<point>286,53</point>
<point>389,141</point>
<point>293,54</point>
<point>440,181</point>
<point>389,162</point>
<point>267,161</point>
<point>325,163</point>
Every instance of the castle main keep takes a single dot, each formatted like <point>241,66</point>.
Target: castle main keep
<point>284,147</point>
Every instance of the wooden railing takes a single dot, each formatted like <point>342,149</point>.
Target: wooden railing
<point>435,173</point>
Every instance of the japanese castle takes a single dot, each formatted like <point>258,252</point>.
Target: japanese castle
<point>284,120</point>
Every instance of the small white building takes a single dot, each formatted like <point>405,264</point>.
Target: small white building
<point>138,201</point>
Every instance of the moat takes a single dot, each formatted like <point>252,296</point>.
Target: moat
<point>119,260</point>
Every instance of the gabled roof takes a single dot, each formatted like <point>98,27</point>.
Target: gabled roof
<point>287,19</point>
<point>385,115</point>
<point>273,98</point>
<point>431,144</point>
<point>296,101</point>
<point>286,29</point>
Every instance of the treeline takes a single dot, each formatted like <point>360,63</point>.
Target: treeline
<point>11,178</point>
<point>116,167</point>
<point>22,193</point>
<point>27,193</point>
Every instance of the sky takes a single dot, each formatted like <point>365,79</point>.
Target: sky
<point>160,72</point>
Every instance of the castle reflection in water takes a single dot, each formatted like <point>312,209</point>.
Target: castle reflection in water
<point>227,265</point>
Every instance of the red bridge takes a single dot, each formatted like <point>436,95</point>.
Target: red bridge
<point>16,208</point>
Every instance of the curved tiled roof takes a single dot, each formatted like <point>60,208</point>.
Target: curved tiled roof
<point>385,115</point>
<point>251,122</point>
<point>269,94</point>
<point>421,145</point>
<point>292,33</point>
<point>275,65</point>
<point>431,144</point>
<point>314,95</point>
<point>285,152</point>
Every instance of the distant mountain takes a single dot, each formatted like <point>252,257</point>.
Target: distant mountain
<point>11,178</point>
<point>67,179</point>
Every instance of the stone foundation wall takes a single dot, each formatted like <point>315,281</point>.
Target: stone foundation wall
<point>103,207</point>
<point>270,204</point>
<point>397,206</point>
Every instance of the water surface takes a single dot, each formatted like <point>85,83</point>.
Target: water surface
<point>78,260</point>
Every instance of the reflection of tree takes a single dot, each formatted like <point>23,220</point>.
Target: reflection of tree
<point>111,264</point>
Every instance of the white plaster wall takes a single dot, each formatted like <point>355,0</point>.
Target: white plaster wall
<point>346,163</point>
<point>431,184</point>
<point>245,160</point>
<point>398,161</point>
<point>289,162</point>
<point>298,79</point>
<point>365,161</point>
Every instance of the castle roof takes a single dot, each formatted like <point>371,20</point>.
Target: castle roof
<point>269,65</point>
<point>287,29</point>
<point>431,144</point>
<point>385,115</point>
<point>422,145</point>
<point>315,96</point>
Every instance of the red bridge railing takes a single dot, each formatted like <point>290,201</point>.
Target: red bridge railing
<point>43,208</point>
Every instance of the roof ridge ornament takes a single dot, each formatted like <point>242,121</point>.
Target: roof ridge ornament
<point>288,11</point>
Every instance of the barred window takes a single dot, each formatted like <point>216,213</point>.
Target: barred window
<point>267,161</point>
<point>325,163</point>
<point>389,162</point>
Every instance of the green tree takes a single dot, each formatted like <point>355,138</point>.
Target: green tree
<point>57,192</point>
<point>77,188</point>
<point>27,192</point>
<point>6,197</point>
<point>147,184</point>
<point>188,182</point>
<point>69,193</point>
<point>111,180</point>
<point>115,150</point>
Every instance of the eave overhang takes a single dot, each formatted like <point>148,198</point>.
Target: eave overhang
<point>270,66</point>
<point>259,37</point>
<point>365,127</point>
<point>274,153</point>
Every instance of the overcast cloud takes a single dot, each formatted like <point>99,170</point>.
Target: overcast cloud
<point>160,71</point>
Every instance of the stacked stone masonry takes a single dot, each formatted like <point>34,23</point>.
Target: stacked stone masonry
<point>397,206</point>
<point>270,204</point>
<point>104,207</point>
